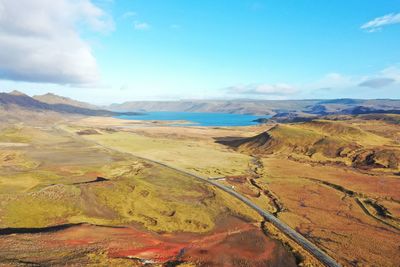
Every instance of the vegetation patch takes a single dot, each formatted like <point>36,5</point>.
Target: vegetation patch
<point>45,208</point>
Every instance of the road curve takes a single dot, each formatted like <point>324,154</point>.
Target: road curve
<point>320,255</point>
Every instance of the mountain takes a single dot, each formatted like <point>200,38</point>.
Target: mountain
<point>16,92</point>
<point>50,98</point>
<point>282,109</point>
<point>17,101</point>
<point>262,107</point>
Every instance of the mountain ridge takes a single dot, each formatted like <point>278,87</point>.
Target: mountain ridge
<point>16,101</point>
<point>280,109</point>
<point>51,98</point>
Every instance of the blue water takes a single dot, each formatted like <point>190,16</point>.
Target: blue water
<point>198,119</point>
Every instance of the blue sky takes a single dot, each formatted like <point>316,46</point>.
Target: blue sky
<point>112,51</point>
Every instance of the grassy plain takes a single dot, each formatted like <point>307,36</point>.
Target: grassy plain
<point>60,178</point>
<point>191,149</point>
<point>333,181</point>
<point>305,173</point>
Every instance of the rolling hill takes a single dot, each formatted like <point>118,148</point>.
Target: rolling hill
<point>323,141</point>
<point>15,102</point>
<point>51,99</point>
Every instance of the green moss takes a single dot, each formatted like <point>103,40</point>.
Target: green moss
<point>33,212</point>
<point>51,206</point>
<point>11,183</point>
<point>167,202</point>
<point>145,203</point>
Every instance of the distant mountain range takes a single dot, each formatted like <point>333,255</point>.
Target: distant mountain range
<point>219,106</point>
<point>19,102</point>
<point>280,110</point>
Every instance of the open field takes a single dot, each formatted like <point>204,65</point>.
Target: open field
<point>306,174</point>
<point>189,148</point>
<point>347,208</point>
<point>333,219</point>
<point>102,206</point>
<point>83,174</point>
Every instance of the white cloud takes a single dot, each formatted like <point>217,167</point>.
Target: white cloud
<point>40,42</point>
<point>377,23</point>
<point>383,82</point>
<point>392,72</point>
<point>263,89</point>
<point>335,80</point>
<point>142,26</point>
<point>384,78</point>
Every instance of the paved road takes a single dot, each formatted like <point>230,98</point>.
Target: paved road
<point>320,255</point>
<point>324,258</point>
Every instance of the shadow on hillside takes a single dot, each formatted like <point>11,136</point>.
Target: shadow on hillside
<point>227,140</point>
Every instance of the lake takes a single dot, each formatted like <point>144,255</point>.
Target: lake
<point>198,118</point>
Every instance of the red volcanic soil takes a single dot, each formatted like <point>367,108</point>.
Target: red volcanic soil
<point>239,248</point>
<point>232,243</point>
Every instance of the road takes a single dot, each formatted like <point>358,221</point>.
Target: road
<point>320,255</point>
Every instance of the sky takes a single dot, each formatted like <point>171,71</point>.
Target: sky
<point>109,51</point>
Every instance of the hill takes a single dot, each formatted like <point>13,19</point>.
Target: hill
<point>50,98</point>
<point>323,141</point>
<point>18,103</point>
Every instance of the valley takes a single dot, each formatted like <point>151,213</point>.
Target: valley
<point>303,175</point>
<point>110,192</point>
<point>141,212</point>
<point>199,133</point>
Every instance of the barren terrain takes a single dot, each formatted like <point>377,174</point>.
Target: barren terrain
<point>83,203</point>
<point>85,185</point>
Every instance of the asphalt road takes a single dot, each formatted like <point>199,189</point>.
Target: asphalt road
<point>320,255</point>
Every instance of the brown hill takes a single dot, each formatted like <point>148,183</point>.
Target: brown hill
<point>324,142</point>
<point>15,101</point>
<point>50,98</point>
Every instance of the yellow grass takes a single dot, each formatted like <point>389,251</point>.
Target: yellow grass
<point>206,159</point>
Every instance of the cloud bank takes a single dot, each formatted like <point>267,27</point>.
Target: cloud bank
<point>382,81</point>
<point>40,42</point>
